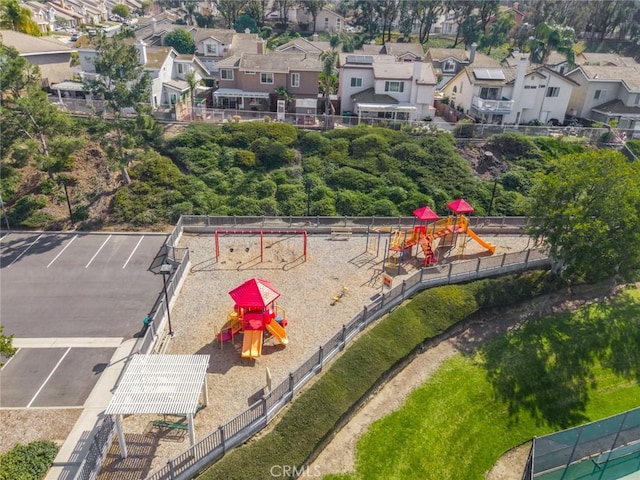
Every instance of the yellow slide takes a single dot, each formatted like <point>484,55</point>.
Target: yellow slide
<point>252,344</point>
<point>278,332</point>
<point>489,246</point>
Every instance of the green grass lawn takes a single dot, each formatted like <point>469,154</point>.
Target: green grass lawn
<point>551,374</point>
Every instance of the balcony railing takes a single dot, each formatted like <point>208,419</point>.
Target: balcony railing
<point>492,106</point>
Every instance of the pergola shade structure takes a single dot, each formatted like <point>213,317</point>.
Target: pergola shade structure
<point>160,384</point>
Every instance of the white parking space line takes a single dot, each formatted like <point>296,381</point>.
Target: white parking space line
<point>96,254</point>
<point>50,375</point>
<point>134,251</point>
<point>68,342</point>
<point>4,236</point>
<point>25,251</point>
<point>10,358</point>
<point>62,251</point>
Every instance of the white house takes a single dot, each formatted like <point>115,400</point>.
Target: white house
<point>380,86</point>
<point>605,93</point>
<point>167,68</point>
<point>513,95</point>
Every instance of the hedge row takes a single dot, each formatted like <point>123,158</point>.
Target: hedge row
<point>315,413</point>
<point>28,462</point>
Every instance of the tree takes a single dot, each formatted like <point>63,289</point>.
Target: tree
<point>190,9</point>
<point>427,12</point>
<point>14,16</point>
<point>328,81</point>
<point>550,37</point>
<point>7,350</point>
<point>245,22</point>
<point>498,32</point>
<point>313,8</point>
<point>181,41</point>
<point>26,111</point>
<point>122,83</point>
<point>229,10</point>
<point>193,80</point>
<point>284,94</point>
<point>121,10</point>
<point>586,209</point>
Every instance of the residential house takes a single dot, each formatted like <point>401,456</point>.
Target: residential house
<point>214,44</point>
<point>152,33</point>
<point>403,52</point>
<point>43,16</point>
<point>448,62</point>
<point>511,95</point>
<point>249,81</point>
<point>302,45</point>
<point>167,68</point>
<point>605,93</point>
<point>604,60</point>
<point>53,57</point>
<point>326,20</point>
<point>381,86</point>
<point>556,61</point>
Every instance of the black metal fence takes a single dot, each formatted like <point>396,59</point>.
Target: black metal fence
<point>105,429</point>
<point>610,439</point>
<point>257,416</point>
<point>92,463</point>
<point>238,430</point>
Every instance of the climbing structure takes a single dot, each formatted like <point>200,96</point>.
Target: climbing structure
<point>255,311</point>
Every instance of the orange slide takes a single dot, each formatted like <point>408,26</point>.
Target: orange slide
<point>278,332</point>
<point>252,344</point>
<point>489,246</point>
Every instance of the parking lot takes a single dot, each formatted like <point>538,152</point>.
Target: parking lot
<point>69,300</point>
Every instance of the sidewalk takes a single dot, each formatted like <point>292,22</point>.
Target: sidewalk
<point>75,447</point>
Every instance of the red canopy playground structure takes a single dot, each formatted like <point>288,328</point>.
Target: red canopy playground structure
<point>255,311</point>
<point>402,241</point>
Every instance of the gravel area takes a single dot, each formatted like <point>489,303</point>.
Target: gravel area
<point>307,289</point>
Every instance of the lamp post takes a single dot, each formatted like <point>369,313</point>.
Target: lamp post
<point>166,269</point>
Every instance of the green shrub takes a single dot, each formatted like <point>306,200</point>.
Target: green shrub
<point>315,412</point>
<point>28,462</point>
<point>513,145</point>
<point>25,207</point>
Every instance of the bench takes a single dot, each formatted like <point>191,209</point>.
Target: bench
<point>170,425</point>
<point>342,233</point>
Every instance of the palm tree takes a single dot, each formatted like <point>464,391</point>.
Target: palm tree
<point>328,81</point>
<point>328,76</point>
<point>550,37</point>
<point>193,81</point>
<point>285,95</point>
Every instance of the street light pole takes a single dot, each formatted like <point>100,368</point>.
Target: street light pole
<point>165,270</point>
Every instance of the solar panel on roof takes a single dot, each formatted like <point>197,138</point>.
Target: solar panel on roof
<point>364,59</point>
<point>488,74</point>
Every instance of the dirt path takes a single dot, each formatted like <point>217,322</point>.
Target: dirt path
<point>339,455</point>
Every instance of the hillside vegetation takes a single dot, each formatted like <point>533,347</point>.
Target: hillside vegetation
<point>259,169</point>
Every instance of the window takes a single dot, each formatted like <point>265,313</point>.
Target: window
<point>356,82</point>
<point>553,91</point>
<point>489,93</point>
<point>295,80</point>
<point>528,87</point>
<point>338,24</point>
<point>266,77</point>
<point>326,23</point>
<point>226,74</point>
<point>637,102</point>
<point>392,86</point>
<point>449,66</point>
<point>180,68</point>
<point>600,95</point>
<point>249,72</point>
<point>211,49</point>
